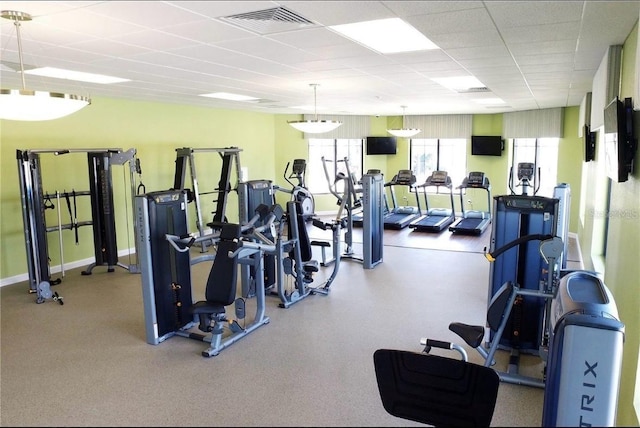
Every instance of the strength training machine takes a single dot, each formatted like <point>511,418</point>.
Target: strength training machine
<point>583,380</point>
<point>166,277</point>
<point>287,252</point>
<point>35,201</point>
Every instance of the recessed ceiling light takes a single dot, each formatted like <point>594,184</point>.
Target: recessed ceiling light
<point>60,73</point>
<point>459,83</point>
<point>229,96</point>
<point>391,35</point>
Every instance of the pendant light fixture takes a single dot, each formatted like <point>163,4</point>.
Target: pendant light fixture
<point>404,132</point>
<point>314,126</point>
<point>28,105</point>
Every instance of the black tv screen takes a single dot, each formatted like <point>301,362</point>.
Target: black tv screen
<point>619,141</point>
<point>589,140</point>
<point>381,146</point>
<point>486,145</point>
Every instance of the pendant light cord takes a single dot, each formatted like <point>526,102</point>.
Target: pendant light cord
<point>17,24</point>
<point>16,17</point>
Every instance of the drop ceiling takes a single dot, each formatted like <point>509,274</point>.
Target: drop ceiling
<point>530,54</point>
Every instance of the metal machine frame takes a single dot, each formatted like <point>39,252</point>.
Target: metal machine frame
<point>103,221</point>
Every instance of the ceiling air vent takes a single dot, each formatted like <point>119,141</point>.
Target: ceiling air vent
<point>267,21</point>
<point>474,90</point>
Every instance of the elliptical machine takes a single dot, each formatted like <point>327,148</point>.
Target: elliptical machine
<point>299,191</point>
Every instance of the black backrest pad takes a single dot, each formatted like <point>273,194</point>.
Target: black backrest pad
<point>435,390</point>
<point>221,284</point>
<point>303,236</point>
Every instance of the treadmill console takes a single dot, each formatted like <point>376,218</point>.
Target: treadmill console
<point>405,176</point>
<point>476,179</point>
<point>439,177</point>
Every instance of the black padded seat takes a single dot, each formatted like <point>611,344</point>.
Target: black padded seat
<point>435,390</point>
<point>222,282</point>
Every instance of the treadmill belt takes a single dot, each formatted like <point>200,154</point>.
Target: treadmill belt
<point>398,220</point>
<point>432,223</point>
<point>470,226</point>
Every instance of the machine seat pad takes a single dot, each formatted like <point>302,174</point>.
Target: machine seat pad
<point>321,243</point>
<point>311,266</point>
<point>204,307</point>
<point>435,390</point>
<point>472,334</point>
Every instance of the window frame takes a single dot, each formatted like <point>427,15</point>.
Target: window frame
<point>544,183</point>
<point>439,143</point>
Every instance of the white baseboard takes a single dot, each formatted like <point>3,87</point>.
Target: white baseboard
<point>57,269</point>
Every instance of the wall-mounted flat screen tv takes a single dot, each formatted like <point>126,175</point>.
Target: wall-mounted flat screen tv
<point>619,140</point>
<point>589,140</point>
<point>486,145</point>
<point>381,146</point>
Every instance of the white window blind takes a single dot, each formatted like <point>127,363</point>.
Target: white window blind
<point>352,127</point>
<point>441,126</point>
<point>543,123</point>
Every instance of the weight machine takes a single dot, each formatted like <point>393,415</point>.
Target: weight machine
<point>287,252</point>
<point>582,381</point>
<point>167,292</point>
<point>35,201</point>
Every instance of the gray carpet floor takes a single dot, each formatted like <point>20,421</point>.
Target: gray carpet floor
<point>87,363</point>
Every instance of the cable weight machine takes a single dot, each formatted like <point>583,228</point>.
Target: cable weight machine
<point>35,201</point>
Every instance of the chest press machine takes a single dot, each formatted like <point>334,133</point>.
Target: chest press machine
<point>167,292</point>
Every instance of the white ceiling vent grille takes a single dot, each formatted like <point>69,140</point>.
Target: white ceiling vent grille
<point>474,90</point>
<point>267,21</point>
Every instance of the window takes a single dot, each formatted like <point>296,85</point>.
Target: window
<point>439,154</point>
<point>332,150</point>
<point>543,153</point>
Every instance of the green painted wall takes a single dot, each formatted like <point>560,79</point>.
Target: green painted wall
<point>155,131</point>
<point>622,269</point>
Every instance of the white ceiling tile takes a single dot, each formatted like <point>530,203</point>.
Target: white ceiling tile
<point>175,50</point>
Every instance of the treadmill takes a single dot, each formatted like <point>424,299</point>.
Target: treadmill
<point>435,219</point>
<point>400,217</point>
<point>474,222</point>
